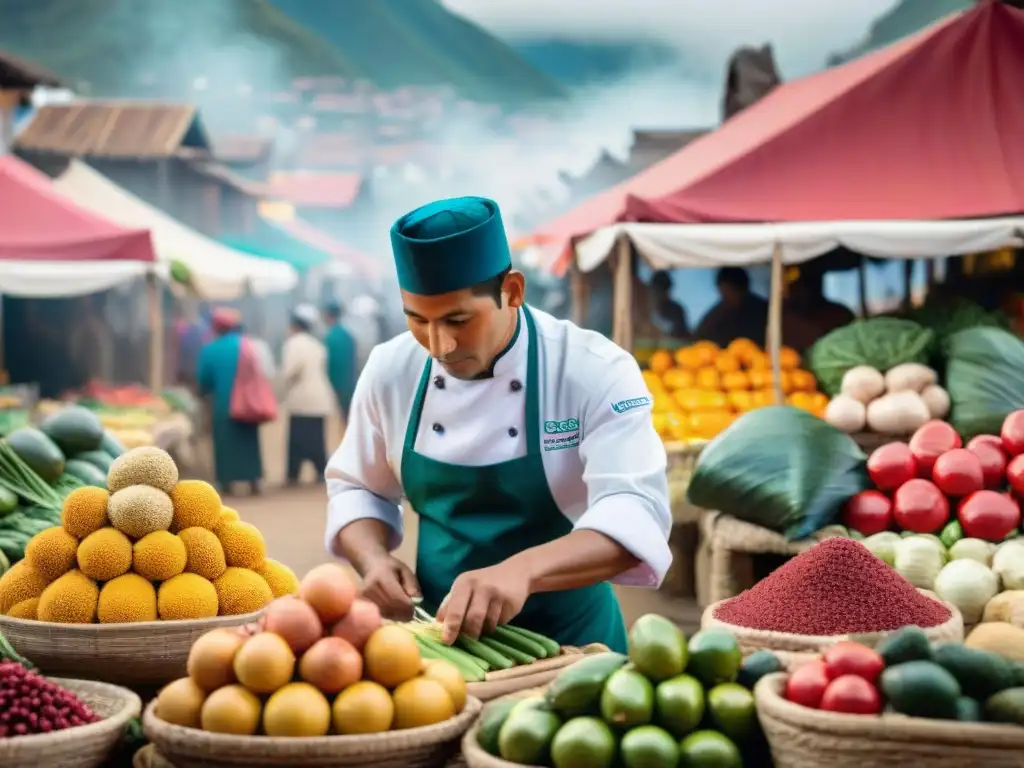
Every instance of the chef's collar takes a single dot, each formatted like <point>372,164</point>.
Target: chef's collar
<point>506,361</point>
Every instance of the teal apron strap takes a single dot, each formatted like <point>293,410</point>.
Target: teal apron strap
<point>416,414</point>
<point>532,387</point>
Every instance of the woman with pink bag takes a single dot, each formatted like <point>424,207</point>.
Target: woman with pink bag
<point>241,398</point>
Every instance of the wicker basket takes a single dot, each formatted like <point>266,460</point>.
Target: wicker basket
<point>751,640</point>
<point>474,754</point>
<point>682,459</point>
<point>507,681</point>
<point>149,653</point>
<point>148,757</point>
<point>808,738</point>
<point>87,746</point>
<point>429,747</point>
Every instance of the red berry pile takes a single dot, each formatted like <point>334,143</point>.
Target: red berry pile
<point>31,704</point>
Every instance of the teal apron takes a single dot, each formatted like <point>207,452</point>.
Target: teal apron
<point>476,517</point>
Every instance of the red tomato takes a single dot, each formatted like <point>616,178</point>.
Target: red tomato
<point>931,441</point>
<point>994,440</point>
<point>891,465</point>
<point>992,458</point>
<point>868,512</point>
<point>919,506</point>
<point>852,695</point>
<point>807,684</point>
<point>958,473</point>
<point>850,658</point>
<point>989,515</point>
<point>1013,433</point>
<point>1015,473</point>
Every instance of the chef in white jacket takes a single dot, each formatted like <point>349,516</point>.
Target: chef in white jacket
<point>524,443</point>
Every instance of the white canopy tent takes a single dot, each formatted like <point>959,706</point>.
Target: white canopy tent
<point>64,279</point>
<point>218,273</point>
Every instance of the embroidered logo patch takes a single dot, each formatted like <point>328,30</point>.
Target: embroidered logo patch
<point>628,405</point>
<point>559,435</point>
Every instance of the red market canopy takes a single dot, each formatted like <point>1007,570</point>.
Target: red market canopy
<point>40,224</point>
<point>925,130</point>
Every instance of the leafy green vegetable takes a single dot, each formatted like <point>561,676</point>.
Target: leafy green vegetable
<point>781,468</point>
<point>881,342</point>
<point>984,378</point>
<point>952,315</point>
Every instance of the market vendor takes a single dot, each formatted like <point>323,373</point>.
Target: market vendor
<point>525,445</point>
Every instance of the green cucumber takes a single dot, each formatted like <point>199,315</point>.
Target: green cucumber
<point>507,651</point>
<point>431,649</point>
<point>551,646</point>
<point>482,651</point>
<point>519,642</point>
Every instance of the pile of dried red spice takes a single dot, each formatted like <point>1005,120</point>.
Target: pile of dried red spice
<point>834,588</point>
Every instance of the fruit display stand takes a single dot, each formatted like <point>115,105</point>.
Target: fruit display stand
<point>86,746</point>
<point>427,747</point>
<point>504,682</point>
<point>140,655</point>
<point>807,738</point>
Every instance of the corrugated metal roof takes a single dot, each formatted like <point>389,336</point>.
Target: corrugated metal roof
<point>137,130</point>
<point>18,74</point>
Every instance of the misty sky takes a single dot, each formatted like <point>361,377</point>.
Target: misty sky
<point>804,32</point>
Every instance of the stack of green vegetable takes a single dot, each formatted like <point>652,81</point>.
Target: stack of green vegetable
<point>40,467</point>
<point>504,648</point>
<point>984,378</point>
<point>950,315</point>
<point>668,703</point>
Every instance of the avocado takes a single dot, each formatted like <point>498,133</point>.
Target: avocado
<point>1006,707</point>
<point>1018,673</point>
<point>969,710</point>
<point>731,711</point>
<point>921,689</point>
<point>649,747</point>
<point>577,689</point>
<point>981,674</point>
<point>627,699</point>
<point>758,665</point>
<point>903,645</point>
<point>526,735</point>
<point>714,657</point>
<point>583,742</point>
<point>74,429</point>
<point>709,749</point>
<point>679,705</point>
<point>491,720</point>
<point>657,648</point>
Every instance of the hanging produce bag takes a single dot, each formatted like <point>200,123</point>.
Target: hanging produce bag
<point>781,468</point>
<point>879,342</point>
<point>984,378</point>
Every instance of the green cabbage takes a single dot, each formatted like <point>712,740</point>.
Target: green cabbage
<point>984,379</point>
<point>879,342</point>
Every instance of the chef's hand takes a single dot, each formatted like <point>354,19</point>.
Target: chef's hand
<point>481,600</point>
<point>392,585</point>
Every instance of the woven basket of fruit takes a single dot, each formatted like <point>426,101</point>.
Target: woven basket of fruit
<point>79,727</point>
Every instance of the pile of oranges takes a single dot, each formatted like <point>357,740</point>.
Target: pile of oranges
<point>699,390</point>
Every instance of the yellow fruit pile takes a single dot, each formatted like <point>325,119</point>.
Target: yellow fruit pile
<point>151,547</point>
<point>699,390</point>
<point>314,665</point>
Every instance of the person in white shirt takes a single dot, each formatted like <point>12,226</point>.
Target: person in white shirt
<point>524,443</point>
<point>307,395</point>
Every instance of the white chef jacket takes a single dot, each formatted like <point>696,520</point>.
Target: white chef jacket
<point>604,462</point>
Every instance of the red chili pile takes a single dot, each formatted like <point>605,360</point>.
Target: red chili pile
<point>834,588</point>
<point>31,704</point>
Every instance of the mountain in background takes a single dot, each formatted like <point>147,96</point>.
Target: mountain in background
<point>202,49</point>
<point>591,62</point>
<point>907,17</point>
<point>420,42</point>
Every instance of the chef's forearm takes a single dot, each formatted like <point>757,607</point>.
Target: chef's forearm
<point>578,559</point>
<point>364,542</point>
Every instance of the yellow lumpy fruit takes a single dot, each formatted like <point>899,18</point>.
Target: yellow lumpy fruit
<point>71,599</point>
<point>140,509</point>
<point>244,546</point>
<point>392,656</point>
<point>52,552</point>
<point>22,582</point>
<point>181,703</point>
<point>126,599</point>
<point>196,505</point>
<point>204,554</point>
<point>232,709</point>
<point>105,554</point>
<point>145,465</point>
<point>264,663</point>
<point>26,609</point>
<point>363,707</point>
<point>420,702</point>
<point>85,511</point>
<point>297,710</point>
<point>227,515</point>
<point>159,556</point>
<point>186,596</point>
<point>279,577</point>
<point>240,590</point>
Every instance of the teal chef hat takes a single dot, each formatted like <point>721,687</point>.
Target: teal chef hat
<point>449,245</point>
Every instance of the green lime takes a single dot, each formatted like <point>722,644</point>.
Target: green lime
<point>731,707</point>
<point>709,749</point>
<point>714,657</point>
<point>583,742</point>
<point>649,747</point>
<point>679,705</point>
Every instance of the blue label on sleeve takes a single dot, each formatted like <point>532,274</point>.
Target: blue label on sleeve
<point>628,405</point>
